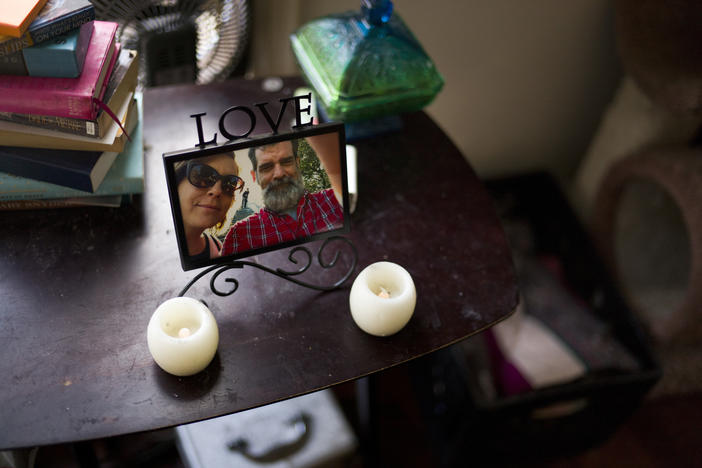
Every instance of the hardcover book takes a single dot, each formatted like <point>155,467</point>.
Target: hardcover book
<point>122,83</point>
<point>13,134</point>
<point>57,17</point>
<point>61,57</point>
<point>81,170</point>
<point>16,15</point>
<point>65,97</point>
<point>125,176</point>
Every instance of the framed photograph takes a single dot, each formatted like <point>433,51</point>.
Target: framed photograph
<point>259,194</point>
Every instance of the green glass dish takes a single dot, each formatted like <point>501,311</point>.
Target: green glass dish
<point>362,67</point>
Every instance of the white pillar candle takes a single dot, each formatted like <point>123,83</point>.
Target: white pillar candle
<point>182,336</point>
<point>382,298</point>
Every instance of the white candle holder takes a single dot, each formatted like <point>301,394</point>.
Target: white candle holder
<point>382,298</point>
<point>182,336</point>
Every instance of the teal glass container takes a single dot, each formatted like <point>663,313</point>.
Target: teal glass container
<point>365,64</point>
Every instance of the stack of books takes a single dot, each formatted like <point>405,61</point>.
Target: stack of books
<point>70,113</point>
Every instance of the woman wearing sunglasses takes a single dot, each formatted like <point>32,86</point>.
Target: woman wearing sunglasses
<point>206,189</point>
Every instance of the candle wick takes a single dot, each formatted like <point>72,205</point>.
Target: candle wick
<point>384,293</point>
<point>183,333</point>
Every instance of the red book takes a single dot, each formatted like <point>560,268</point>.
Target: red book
<point>66,97</point>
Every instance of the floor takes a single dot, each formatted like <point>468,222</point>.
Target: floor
<point>665,432</point>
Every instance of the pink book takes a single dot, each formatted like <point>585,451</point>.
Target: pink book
<point>66,97</point>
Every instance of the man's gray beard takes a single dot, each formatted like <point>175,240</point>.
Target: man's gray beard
<point>283,194</point>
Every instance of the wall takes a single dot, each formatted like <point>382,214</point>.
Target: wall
<point>526,82</point>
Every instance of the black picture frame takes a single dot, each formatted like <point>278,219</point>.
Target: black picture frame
<point>241,147</point>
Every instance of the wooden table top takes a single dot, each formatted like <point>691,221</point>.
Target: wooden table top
<point>78,287</point>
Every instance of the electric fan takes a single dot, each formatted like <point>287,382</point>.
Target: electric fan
<point>180,41</point>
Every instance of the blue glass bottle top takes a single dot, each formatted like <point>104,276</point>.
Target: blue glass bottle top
<point>376,12</point>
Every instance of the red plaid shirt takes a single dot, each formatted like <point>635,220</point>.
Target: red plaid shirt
<point>316,212</point>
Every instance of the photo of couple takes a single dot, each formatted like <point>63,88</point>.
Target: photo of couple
<point>259,197</point>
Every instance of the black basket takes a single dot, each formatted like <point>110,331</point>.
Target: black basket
<point>467,420</point>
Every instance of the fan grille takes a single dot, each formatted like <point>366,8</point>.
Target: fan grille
<point>221,30</point>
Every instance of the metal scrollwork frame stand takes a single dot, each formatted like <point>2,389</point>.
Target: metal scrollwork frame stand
<point>288,275</point>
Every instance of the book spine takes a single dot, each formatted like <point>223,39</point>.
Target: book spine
<point>13,64</point>
<point>83,127</point>
<point>35,204</point>
<point>15,188</point>
<point>43,100</point>
<point>25,189</point>
<point>21,195</point>
<point>47,190</point>
<point>75,202</point>
<point>10,46</point>
<point>45,172</point>
<point>63,24</point>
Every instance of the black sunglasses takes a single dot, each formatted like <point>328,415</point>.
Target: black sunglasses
<point>204,176</point>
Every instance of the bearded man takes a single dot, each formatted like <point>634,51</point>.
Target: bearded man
<point>289,211</point>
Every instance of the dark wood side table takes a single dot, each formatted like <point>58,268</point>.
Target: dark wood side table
<point>78,287</point>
